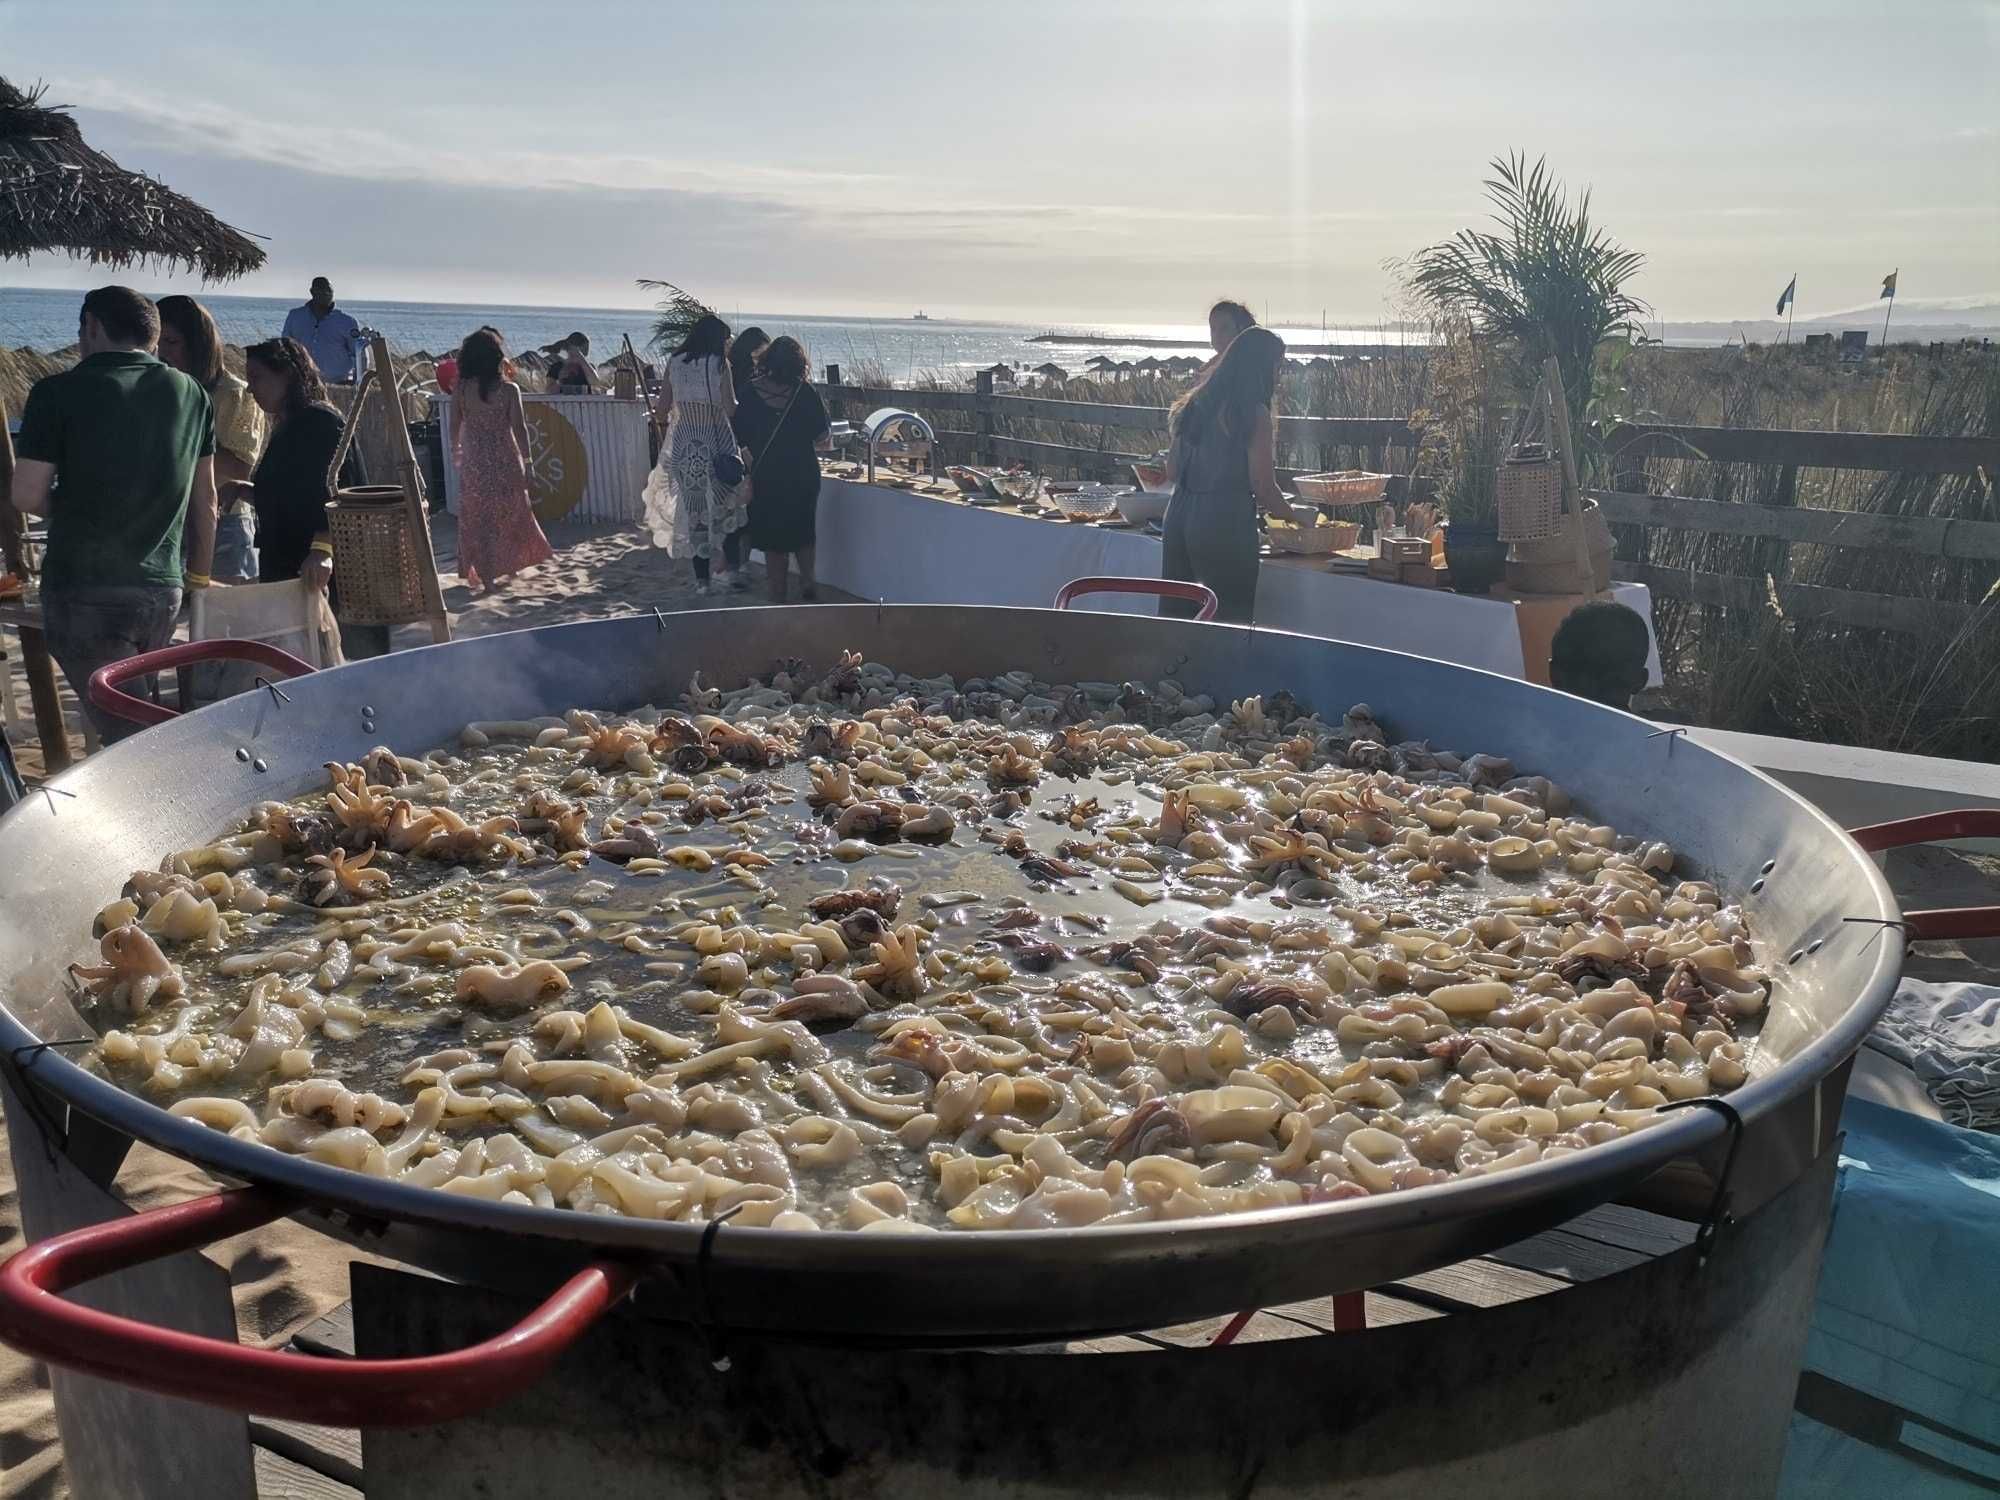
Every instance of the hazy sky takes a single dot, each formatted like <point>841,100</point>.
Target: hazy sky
<point>1040,159</point>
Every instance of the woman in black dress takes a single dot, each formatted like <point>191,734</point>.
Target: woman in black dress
<point>290,485</point>
<point>783,424</point>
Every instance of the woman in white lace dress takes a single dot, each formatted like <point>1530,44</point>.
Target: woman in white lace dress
<point>693,511</point>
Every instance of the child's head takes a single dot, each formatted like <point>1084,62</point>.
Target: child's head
<point>1599,652</point>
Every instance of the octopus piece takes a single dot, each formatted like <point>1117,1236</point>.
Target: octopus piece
<point>831,787</point>
<point>930,1051</point>
<point>1368,755</point>
<point>689,760</point>
<point>1011,768</point>
<point>1359,723</point>
<point>833,905</point>
<point>408,830</point>
<point>1135,703</point>
<point>1260,995</point>
<point>743,747</point>
<point>1489,771</point>
<point>363,811</point>
<point>675,732</point>
<point>1033,954</point>
<point>1287,849</point>
<point>511,988</point>
<point>862,928</point>
<point>929,825</point>
<point>824,741</point>
<point>830,999</point>
<point>134,972</point>
<point>1129,956</point>
<point>897,972</point>
<point>1593,970</point>
<point>633,841</point>
<point>841,680</point>
<point>1281,707</point>
<point>1154,1128</point>
<point>609,748</point>
<point>878,820</point>
<point>147,887</point>
<point>1685,990</point>
<point>1049,869</point>
<point>1178,818</point>
<point>455,840</point>
<point>564,824</point>
<point>1071,753</point>
<point>383,767</point>
<point>300,832</point>
<point>335,878</point>
<point>700,698</point>
<point>1006,804</point>
<point>1013,921</point>
<point>705,805</point>
<point>1299,751</point>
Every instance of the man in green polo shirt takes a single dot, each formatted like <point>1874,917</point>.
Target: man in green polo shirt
<point>118,452</point>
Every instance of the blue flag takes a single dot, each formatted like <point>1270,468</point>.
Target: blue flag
<point>1790,291</point>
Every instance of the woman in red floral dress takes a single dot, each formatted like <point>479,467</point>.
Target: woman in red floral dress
<point>497,531</point>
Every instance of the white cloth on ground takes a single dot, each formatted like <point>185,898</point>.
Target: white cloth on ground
<point>1949,1036</point>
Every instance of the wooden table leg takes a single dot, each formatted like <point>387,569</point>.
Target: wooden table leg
<point>41,673</point>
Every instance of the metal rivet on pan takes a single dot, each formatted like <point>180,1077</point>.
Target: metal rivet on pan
<point>242,754</point>
<point>1797,954</point>
<point>1770,865</point>
<point>368,726</point>
<point>367,710</point>
<point>1756,886</point>
<point>258,765</point>
<point>1815,945</point>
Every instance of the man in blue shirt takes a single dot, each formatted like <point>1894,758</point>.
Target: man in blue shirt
<point>331,337</point>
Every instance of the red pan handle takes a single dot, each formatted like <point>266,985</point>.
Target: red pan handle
<point>104,681</point>
<point>1165,588</point>
<point>35,1319</point>
<point>1959,823</point>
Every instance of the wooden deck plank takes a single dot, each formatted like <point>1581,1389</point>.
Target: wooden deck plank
<point>332,1335</point>
<point>1485,1283</point>
<point>332,1451</point>
<point>279,1478</point>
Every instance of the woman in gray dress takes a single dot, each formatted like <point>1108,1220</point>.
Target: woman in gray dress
<point>1223,460</point>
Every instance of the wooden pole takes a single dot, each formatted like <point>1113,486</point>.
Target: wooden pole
<point>1894,275</point>
<point>982,386</point>
<point>1552,385</point>
<point>405,454</point>
<point>36,663</point>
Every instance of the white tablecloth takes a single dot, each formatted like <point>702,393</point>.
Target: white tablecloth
<point>914,549</point>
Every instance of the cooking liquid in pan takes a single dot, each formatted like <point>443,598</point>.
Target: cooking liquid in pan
<point>1267,1043</point>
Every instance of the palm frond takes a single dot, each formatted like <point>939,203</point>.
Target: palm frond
<point>1549,282</point>
<point>678,312</point>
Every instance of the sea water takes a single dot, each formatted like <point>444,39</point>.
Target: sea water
<point>898,349</point>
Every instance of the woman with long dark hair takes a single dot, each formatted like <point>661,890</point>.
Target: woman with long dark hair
<point>783,424</point>
<point>1223,461</point>
<point>290,487</point>
<point>498,534</point>
<point>695,498</point>
<point>743,352</point>
<point>190,343</point>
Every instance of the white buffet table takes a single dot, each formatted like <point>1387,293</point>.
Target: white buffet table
<point>881,543</point>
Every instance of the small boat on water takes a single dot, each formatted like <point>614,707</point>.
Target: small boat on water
<point>920,316</point>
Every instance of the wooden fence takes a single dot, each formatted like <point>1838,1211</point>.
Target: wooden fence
<point>969,425</point>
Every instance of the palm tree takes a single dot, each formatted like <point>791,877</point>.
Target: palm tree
<point>1548,283</point>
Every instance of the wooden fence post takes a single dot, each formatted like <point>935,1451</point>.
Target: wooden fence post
<point>1774,554</point>
<point>982,390</point>
<point>837,405</point>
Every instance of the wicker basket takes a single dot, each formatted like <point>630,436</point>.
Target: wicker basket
<point>1528,492</point>
<point>375,557</point>
<point>1314,541</point>
<point>1550,565</point>
<point>1341,487</point>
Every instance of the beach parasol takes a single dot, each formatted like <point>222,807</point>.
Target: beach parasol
<point>1052,371</point>
<point>57,193</point>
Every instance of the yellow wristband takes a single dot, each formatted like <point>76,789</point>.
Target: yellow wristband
<point>326,547</point>
<point>198,580</point>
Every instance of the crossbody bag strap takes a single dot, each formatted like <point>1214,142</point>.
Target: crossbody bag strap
<point>778,427</point>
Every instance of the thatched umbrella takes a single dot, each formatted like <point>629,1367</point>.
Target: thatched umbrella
<point>56,193</point>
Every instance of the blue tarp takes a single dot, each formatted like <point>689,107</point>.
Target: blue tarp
<point>1909,1308</point>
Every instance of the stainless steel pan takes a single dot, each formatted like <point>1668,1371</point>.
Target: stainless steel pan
<point>1821,908</point>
